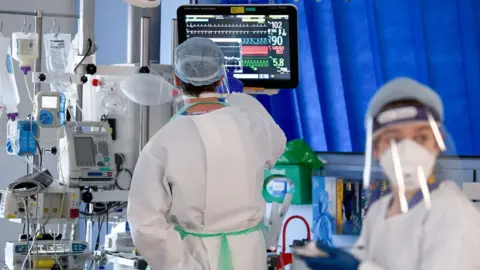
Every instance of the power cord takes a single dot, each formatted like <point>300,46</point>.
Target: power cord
<point>85,56</point>
<point>120,162</point>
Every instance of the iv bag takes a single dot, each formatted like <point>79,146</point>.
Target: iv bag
<point>25,49</point>
<point>8,86</point>
<point>57,48</point>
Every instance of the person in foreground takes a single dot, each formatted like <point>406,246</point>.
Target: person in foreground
<point>196,197</point>
<point>424,223</point>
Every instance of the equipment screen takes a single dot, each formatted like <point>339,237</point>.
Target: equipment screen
<point>259,43</point>
<point>84,151</point>
<point>49,102</point>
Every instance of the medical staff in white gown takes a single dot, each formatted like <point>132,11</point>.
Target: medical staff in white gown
<point>424,223</point>
<point>195,201</point>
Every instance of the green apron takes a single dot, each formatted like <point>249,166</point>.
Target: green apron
<point>225,257</point>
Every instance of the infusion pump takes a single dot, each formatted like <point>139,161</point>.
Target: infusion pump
<point>86,157</point>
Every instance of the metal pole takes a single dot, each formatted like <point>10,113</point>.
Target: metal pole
<point>135,15</point>
<point>37,86</point>
<point>56,15</point>
<point>174,39</point>
<point>38,62</point>
<point>87,48</point>
<point>144,61</point>
<point>145,42</point>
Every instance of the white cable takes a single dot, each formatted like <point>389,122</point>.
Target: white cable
<point>55,256</point>
<point>42,226</point>
<point>78,107</point>
<point>28,89</point>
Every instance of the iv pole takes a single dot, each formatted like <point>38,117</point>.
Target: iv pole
<point>39,15</point>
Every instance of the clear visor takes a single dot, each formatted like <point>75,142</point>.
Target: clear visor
<point>403,150</point>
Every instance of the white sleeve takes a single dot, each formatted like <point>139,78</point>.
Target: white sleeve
<point>368,265</point>
<point>450,240</point>
<point>148,203</point>
<point>276,140</point>
<point>360,248</point>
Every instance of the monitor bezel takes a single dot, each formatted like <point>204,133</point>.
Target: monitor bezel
<point>289,10</point>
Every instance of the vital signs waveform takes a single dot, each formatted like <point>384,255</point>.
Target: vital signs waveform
<point>226,32</point>
<point>255,41</point>
<point>233,25</point>
<point>255,63</point>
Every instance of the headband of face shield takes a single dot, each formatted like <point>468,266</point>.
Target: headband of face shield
<point>200,62</point>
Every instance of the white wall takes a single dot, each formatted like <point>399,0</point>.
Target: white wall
<point>11,167</point>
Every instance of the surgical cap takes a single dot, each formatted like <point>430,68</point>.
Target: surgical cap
<point>199,61</point>
<point>404,89</point>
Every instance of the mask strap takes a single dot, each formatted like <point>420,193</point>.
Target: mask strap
<point>400,180</point>
<point>367,170</point>
<point>436,132</point>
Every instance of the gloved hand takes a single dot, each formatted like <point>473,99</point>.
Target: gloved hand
<point>337,259</point>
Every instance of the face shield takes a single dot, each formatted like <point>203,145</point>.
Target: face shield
<point>199,68</point>
<point>403,146</point>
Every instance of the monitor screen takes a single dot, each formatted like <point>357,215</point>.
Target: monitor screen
<point>259,43</point>
<point>49,102</point>
<point>84,151</point>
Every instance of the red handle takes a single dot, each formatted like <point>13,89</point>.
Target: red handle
<point>287,258</point>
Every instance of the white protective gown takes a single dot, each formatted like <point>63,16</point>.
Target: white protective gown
<point>204,173</point>
<point>445,237</point>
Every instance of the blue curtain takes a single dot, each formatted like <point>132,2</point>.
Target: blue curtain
<point>350,48</point>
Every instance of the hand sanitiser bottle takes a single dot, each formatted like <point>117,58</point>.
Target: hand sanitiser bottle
<point>8,86</point>
<point>25,49</point>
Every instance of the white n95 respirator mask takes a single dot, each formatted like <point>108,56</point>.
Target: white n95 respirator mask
<point>407,164</point>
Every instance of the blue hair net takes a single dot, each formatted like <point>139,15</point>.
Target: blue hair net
<point>199,61</point>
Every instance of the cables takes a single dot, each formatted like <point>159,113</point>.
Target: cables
<point>118,174</point>
<point>108,209</point>
<point>31,184</point>
<point>120,162</point>
<point>85,56</point>
<point>39,153</point>
<point>100,225</point>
